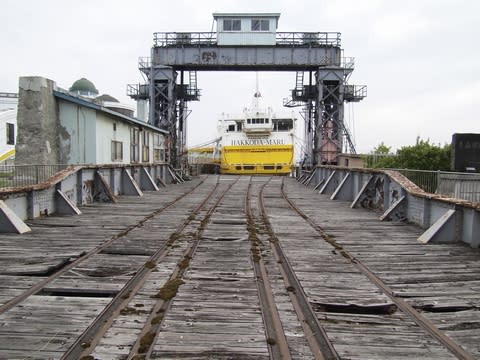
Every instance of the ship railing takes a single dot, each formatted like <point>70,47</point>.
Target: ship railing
<point>300,39</point>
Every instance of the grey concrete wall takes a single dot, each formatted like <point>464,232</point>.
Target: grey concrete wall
<point>81,185</point>
<point>76,134</point>
<point>386,187</point>
<point>37,139</point>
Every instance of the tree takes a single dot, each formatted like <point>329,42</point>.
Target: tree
<point>380,157</point>
<point>382,149</point>
<point>421,156</point>
<point>424,156</point>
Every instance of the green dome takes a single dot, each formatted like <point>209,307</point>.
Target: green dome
<point>84,86</point>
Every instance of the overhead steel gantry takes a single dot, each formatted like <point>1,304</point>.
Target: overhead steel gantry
<point>229,49</point>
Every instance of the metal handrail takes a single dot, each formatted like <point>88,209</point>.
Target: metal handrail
<point>312,39</point>
<point>164,39</point>
<point>26,175</point>
<point>465,186</point>
<point>308,38</point>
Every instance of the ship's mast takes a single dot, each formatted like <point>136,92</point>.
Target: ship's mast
<point>257,95</point>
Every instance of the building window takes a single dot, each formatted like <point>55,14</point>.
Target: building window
<point>232,25</point>
<point>117,150</point>
<point>134,145</point>
<point>10,134</point>
<point>260,25</point>
<point>158,151</point>
<point>145,146</point>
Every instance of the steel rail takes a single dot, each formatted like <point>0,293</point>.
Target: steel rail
<point>84,256</point>
<point>86,342</point>
<point>178,273</point>
<point>320,344</point>
<point>276,339</point>
<point>421,320</point>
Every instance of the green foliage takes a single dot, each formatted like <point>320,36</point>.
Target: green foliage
<point>380,157</point>
<point>382,149</point>
<point>422,156</point>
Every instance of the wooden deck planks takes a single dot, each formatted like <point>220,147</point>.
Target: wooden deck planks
<point>439,276</point>
<point>216,312</point>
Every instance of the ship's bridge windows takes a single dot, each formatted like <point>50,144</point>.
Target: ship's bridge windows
<point>258,121</point>
<point>283,125</point>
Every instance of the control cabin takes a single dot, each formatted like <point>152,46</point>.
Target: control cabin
<point>246,29</point>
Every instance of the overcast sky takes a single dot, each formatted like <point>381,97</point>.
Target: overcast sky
<point>420,59</point>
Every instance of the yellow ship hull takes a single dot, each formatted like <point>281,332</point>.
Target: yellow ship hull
<point>265,159</point>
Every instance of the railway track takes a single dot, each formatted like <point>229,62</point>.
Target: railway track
<point>231,268</point>
<point>88,254</point>
<point>421,320</point>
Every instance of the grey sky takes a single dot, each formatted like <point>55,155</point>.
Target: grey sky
<point>419,58</point>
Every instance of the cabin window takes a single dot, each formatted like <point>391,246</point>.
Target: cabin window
<point>134,145</point>
<point>260,25</point>
<point>117,150</point>
<point>232,25</point>
<point>231,128</point>
<point>145,146</point>
<point>283,125</point>
<point>158,151</point>
<point>239,126</point>
<point>10,134</point>
<point>249,121</point>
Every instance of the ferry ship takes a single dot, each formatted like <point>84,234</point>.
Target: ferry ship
<point>259,141</point>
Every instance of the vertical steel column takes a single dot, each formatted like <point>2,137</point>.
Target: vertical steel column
<point>310,109</point>
<point>182,118</point>
<point>329,126</point>
<point>163,105</point>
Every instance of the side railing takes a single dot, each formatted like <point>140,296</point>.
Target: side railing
<point>444,204</point>
<point>32,191</point>
<point>314,39</point>
<point>464,186</point>
<point>13,176</point>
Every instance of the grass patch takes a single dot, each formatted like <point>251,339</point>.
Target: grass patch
<point>150,264</point>
<point>169,290</point>
<point>182,265</point>
<point>145,342</point>
<point>271,341</point>
<point>157,320</point>
<point>174,237</point>
<point>131,311</point>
